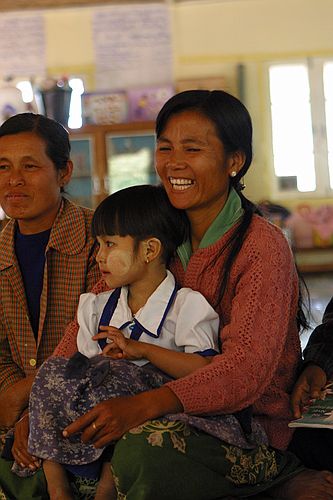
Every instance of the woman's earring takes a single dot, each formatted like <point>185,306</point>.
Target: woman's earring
<point>147,260</point>
<point>233,173</point>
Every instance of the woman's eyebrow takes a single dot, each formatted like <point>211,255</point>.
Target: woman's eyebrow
<point>187,140</point>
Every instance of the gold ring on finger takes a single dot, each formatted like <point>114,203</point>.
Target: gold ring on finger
<point>94,426</point>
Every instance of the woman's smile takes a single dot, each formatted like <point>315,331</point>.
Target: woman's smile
<point>181,184</point>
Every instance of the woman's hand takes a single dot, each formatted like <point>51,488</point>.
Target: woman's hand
<point>120,347</point>
<point>107,421</point>
<point>110,420</point>
<point>308,386</point>
<point>20,446</point>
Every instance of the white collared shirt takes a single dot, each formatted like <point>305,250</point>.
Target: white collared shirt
<point>190,325</point>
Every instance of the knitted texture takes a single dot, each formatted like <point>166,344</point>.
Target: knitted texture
<point>260,339</point>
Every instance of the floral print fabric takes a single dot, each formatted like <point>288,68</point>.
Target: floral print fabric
<point>66,389</point>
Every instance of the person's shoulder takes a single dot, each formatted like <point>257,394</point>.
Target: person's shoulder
<point>71,209</point>
<point>263,233</point>
<point>196,299</point>
<point>264,242</point>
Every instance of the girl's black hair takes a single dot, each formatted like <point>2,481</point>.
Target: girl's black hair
<point>142,212</point>
<point>234,128</point>
<point>52,132</point>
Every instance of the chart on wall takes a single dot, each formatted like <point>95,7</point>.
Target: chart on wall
<point>132,43</point>
<point>19,31</point>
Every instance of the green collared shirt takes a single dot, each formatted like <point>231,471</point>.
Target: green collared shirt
<point>229,215</point>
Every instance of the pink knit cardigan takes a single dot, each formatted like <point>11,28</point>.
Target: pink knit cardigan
<point>259,335</point>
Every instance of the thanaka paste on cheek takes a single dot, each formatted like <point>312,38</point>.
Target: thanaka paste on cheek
<point>119,262</point>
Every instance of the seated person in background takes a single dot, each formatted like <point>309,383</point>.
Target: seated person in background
<point>47,259</point>
<point>315,446</point>
<point>159,332</point>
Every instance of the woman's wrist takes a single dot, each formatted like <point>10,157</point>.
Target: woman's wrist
<point>159,402</point>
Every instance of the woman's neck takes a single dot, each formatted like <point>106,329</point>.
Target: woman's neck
<point>201,219</point>
<point>200,222</point>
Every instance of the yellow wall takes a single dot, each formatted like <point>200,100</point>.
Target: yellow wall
<point>212,39</point>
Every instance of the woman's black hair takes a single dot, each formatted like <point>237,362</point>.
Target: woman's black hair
<point>233,126</point>
<point>52,132</point>
<point>142,212</point>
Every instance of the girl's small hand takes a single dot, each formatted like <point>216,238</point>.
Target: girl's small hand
<point>120,346</point>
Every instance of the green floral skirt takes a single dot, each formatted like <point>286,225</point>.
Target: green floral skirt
<point>170,461</point>
<point>164,460</point>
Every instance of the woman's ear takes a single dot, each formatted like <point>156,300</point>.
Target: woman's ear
<point>65,174</point>
<point>236,162</point>
<point>152,248</point>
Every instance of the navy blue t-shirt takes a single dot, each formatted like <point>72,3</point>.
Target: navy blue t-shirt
<point>30,252</point>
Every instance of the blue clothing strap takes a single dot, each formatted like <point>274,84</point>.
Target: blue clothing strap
<point>137,329</point>
<point>107,313</point>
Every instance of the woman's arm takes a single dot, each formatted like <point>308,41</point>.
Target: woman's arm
<point>14,400</point>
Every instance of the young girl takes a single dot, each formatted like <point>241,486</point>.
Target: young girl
<point>138,232</point>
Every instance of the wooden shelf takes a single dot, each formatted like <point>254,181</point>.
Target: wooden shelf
<point>314,260</point>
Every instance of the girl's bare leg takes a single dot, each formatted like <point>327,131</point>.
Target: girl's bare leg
<point>57,482</point>
<point>106,489</point>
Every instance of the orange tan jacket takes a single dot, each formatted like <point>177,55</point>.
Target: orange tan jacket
<point>70,269</point>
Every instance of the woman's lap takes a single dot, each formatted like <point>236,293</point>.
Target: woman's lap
<point>164,460</point>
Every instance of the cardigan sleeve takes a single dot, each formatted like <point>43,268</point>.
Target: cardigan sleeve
<point>319,349</point>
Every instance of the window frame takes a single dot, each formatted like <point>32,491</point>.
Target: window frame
<point>315,67</point>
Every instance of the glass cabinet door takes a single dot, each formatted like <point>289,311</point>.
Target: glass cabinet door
<point>130,160</point>
<point>80,188</point>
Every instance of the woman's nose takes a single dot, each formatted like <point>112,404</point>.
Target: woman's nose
<point>176,160</point>
<point>15,179</point>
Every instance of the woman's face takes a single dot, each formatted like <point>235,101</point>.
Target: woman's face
<point>192,164</point>
<point>29,182</point>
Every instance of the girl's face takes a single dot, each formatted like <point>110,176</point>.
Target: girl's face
<point>192,164</point>
<point>120,265</point>
<point>29,182</point>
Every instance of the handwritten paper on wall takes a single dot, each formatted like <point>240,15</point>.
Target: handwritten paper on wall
<point>132,46</point>
<point>22,47</point>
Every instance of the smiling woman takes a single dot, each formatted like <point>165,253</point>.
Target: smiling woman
<point>244,267</point>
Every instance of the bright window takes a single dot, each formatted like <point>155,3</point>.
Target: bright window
<point>301,103</point>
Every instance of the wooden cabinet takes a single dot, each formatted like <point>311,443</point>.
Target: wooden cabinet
<point>109,157</point>
<point>314,260</point>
